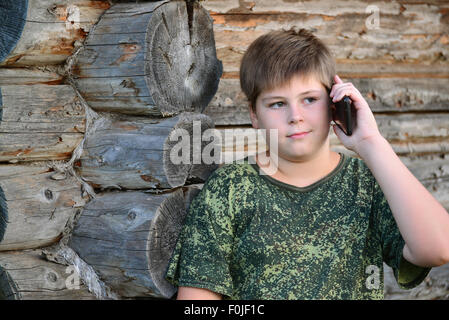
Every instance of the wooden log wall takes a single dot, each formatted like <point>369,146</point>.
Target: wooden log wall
<point>97,99</point>
<point>42,121</point>
<point>92,93</point>
<point>25,275</point>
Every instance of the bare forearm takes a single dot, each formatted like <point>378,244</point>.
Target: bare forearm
<point>421,219</point>
<point>190,293</point>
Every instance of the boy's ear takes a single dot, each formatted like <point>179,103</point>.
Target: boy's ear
<point>253,117</point>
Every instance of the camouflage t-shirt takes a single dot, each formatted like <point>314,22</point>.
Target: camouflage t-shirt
<point>250,236</point>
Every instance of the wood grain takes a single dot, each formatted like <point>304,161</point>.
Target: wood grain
<point>39,122</point>
<point>143,153</point>
<point>38,202</point>
<point>53,30</point>
<point>150,59</point>
<point>128,238</point>
<point>26,275</point>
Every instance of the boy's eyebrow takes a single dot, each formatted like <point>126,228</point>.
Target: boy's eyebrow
<point>279,97</point>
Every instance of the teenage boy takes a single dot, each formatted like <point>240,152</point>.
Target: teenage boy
<point>322,225</point>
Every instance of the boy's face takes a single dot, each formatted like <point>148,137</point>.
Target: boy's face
<point>300,106</point>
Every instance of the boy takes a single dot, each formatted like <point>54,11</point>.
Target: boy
<point>322,225</point>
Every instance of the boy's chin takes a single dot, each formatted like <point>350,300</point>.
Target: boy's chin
<point>298,155</point>
<point>294,156</point>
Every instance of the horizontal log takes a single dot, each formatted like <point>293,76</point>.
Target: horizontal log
<point>28,76</point>
<point>36,202</point>
<point>39,122</point>
<point>230,106</point>
<point>434,287</point>
<point>378,40</point>
<point>428,167</point>
<point>347,67</point>
<point>25,275</point>
<point>52,29</point>
<point>128,238</point>
<point>153,59</point>
<point>44,146</point>
<point>144,153</point>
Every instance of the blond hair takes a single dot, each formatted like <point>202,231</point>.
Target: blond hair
<point>273,58</point>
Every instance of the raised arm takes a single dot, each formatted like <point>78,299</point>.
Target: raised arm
<point>421,219</point>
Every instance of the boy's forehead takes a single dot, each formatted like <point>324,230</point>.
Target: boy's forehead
<point>299,84</point>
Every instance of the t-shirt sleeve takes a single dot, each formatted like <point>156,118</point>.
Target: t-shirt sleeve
<point>201,257</point>
<point>406,273</point>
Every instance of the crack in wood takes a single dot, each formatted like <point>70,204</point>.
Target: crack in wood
<point>190,9</point>
<point>166,57</point>
<point>164,20</point>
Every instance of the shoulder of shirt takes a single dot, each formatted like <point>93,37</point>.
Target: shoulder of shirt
<point>357,167</point>
<point>233,171</point>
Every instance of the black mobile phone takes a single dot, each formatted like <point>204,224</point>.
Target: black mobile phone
<point>344,115</point>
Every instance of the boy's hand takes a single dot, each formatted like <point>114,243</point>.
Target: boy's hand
<point>366,129</point>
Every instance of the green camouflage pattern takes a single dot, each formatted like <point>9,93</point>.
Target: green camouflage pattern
<point>250,236</point>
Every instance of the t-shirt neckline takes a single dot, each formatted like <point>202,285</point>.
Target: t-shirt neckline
<point>341,163</point>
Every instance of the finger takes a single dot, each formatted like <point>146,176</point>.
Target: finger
<point>337,79</point>
<point>337,87</point>
<point>340,92</point>
<point>347,89</point>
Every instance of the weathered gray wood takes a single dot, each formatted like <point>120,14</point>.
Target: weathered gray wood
<point>128,238</point>
<point>39,122</point>
<point>433,172</point>
<point>36,202</point>
<point>434,287</point>
<point>53,29</point>
<point>26,275</point>
<point>138,153</point>
<point>27,76</point>
<point>153,58</point>
<point>410,38</point>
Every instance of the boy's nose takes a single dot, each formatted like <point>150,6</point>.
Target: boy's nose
<point>295,114</point>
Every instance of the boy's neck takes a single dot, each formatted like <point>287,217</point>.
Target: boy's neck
<point>307,171</point>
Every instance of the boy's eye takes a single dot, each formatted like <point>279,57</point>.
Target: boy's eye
<point>276,104</point>
<point>311,99</point>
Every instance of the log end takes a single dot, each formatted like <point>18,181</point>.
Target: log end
<point>182,69</point>
<point>184,157</point>
<point>162,240</point>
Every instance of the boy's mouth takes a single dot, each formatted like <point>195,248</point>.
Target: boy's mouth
<point>298,134</point>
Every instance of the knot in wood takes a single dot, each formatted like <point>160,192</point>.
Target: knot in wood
<point>51,276</point>
<point>131,215</point>
<point>48,194</point>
